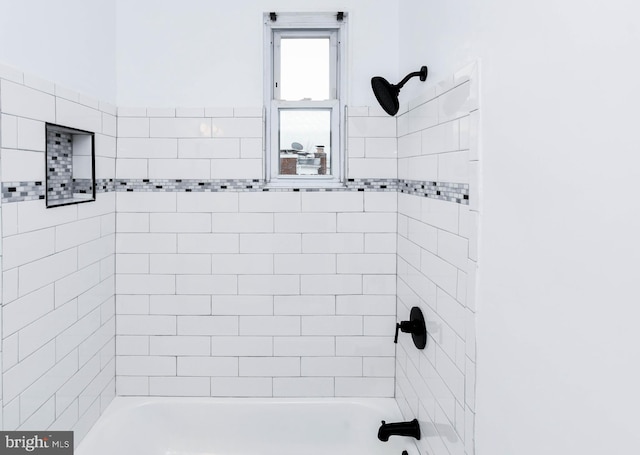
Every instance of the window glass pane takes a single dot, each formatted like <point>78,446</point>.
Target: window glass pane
<point>304,69</point>
<point>305,142</point>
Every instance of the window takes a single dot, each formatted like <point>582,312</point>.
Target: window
<point>304,98</point>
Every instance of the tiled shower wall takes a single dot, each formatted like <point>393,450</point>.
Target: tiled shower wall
<point>58,265</point>
<point>239,291</point>
<point>242,291</point>
<point>437,264</point>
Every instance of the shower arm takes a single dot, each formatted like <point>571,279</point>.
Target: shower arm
<point>400,84</point>
<point>422,73</point>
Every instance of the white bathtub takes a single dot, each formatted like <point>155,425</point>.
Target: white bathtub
<point>219,426</point>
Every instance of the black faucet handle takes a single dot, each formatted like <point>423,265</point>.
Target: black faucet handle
<point>415,326</point>
<point>407,327</point>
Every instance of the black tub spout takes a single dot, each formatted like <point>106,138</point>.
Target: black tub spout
<point>411,429</point>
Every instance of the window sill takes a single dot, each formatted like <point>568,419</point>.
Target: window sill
<point>294,183</point>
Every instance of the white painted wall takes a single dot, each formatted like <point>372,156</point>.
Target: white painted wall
<point>69,42</point>
<point>557,314</point>
<point>203,53</point>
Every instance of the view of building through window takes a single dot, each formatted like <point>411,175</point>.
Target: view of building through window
<point>305,138</point>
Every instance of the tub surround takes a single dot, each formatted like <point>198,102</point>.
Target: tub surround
<point>222,286</point>
<point>290,292</point>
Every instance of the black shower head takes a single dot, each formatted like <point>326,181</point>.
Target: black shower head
<point>387,94</point>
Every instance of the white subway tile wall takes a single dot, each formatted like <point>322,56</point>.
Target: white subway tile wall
<point>257,275</point>
<point>239,293</point>
<point>58,299</point>
<point>437,262</point>
<point>189,143</point>
<point>241,290</point>
<point>372,145</point>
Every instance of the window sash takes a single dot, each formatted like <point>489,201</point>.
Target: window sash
<point>305,25</point>
<point>278,35</point>
<point>273,158</point>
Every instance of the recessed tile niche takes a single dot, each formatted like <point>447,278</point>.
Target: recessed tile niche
<point>70,166</point>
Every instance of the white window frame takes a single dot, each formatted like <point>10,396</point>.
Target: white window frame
<point>305,25</point>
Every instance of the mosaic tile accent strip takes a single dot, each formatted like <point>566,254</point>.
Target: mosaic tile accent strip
<point>372,184</point>
<point>29,191</point>
<point>452,192</point>
<point>188,185</point>
<point>105,185</point>
<point>22,191</point>
<point>445,191</point>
